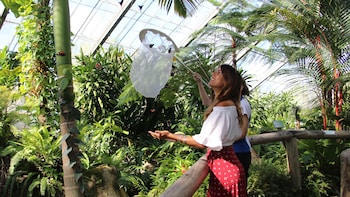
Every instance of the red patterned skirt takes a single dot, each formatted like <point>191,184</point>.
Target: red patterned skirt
<point>227,176</point>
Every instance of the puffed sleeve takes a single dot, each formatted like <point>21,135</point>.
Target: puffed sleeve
<point>214,130</point>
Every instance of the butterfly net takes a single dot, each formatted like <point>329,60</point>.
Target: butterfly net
<point>152,63</point>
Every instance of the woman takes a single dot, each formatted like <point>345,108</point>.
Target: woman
<point>241,147</point>
<point>221,128</point>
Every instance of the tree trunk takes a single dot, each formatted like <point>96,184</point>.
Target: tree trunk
<point>72,175</point>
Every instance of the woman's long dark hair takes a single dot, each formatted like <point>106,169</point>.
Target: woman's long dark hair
<point>230,91</point>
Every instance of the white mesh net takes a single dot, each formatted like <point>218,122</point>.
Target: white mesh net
<point>152,63</point>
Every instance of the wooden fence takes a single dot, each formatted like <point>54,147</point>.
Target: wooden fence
<point>190,181</point>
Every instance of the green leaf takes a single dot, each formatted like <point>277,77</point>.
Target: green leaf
<point>7,151</point>
<point>100,102</point>
<point>43,185</point>
<point>32,186</point>
<point>63,83</point>
<point>13,6</point>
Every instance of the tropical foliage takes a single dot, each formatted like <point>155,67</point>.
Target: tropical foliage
<point>111,141</point>
<point>269,178</point>
<point>35,164</point>
<point>270,107</point>
<point>320,166</point>
<point>101,78</point>
<point>314,40</point>
<point>36,56</point>
<point>307,36</point>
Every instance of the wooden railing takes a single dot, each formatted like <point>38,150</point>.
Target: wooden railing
<point>190,181</point>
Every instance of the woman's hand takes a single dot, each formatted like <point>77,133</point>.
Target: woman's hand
<point>160,135</point>
<point>197,77</point>
<point>185,139</point>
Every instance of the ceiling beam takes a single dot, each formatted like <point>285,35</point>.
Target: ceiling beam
<point>115,24</point>
<point>3,17</point>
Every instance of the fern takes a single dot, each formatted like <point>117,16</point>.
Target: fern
<point>36,155</point>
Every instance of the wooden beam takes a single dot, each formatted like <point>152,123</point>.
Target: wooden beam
<point>275,136</point>
<point>317,134</point>
<point>115,24</point>
<point>3,17</point>
<point>269,137</point>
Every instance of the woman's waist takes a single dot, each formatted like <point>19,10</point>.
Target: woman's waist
<point>223,149</point>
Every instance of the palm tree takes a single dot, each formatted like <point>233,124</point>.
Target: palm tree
<point>72,172</point>
<point>234,27</point>
<point>313,36</point>
<point>183,8</point>
<point>317,35</point>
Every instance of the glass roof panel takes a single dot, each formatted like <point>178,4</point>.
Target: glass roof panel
<point>8,30</point>
<point>113,23</point>
<point>151,16</point>
<point>119,22</point>
<point>89,22</point>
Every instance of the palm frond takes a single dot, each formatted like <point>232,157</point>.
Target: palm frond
<point>183,8</point>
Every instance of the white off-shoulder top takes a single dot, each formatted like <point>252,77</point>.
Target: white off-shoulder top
<point>221,128</point>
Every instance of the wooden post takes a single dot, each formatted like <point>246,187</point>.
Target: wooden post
<point>345,173</point>
<point>189,182</point>
<point>293,163</point>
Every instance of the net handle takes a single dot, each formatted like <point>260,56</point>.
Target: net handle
<point>192,72</point>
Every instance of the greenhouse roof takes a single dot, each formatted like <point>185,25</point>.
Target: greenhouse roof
<point>96,23</point>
